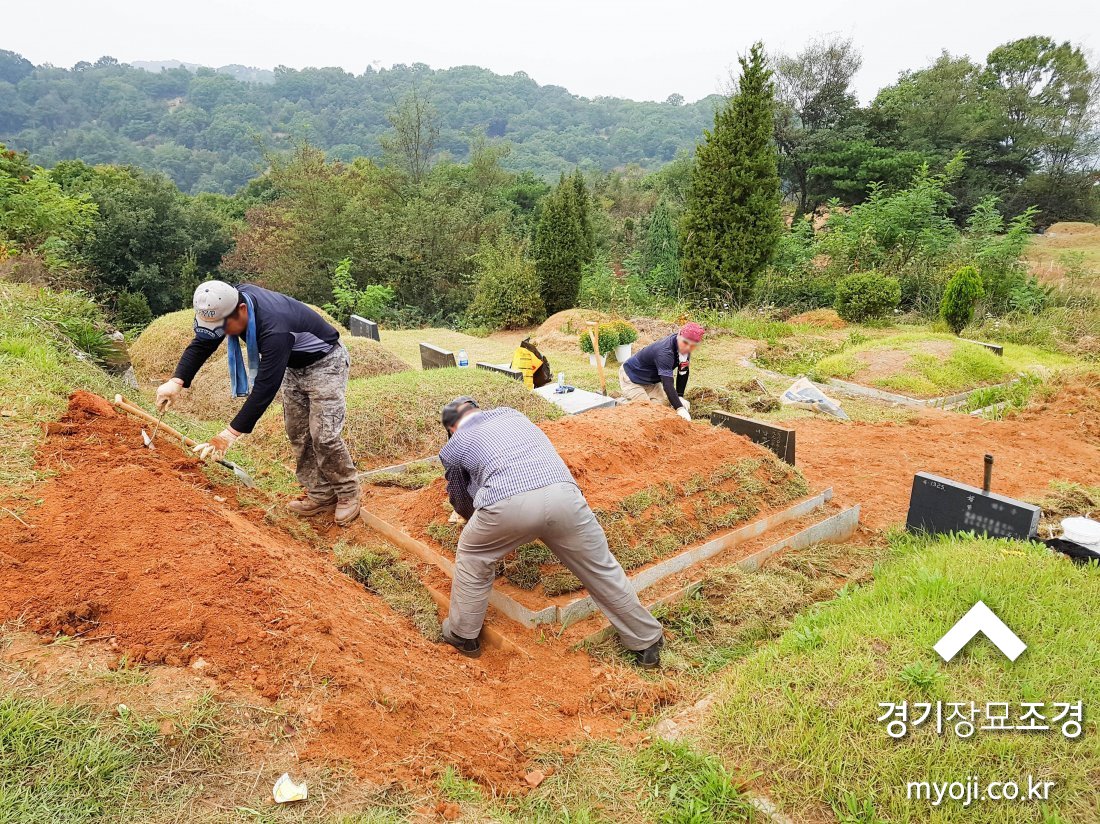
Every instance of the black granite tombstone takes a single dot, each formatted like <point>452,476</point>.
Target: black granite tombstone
<point>363,328</point>
<point>778,440</point>
<point>432,357</point>
<point>938,505</point>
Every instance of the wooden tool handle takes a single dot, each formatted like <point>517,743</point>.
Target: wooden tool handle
<point>138,412</point>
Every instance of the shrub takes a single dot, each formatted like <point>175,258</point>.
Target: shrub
<point>348,299</point>
<point>609,339</point>
<point>866,295</point>
<point>507,292</point>
<point>132,311</point>
<point>624,332</point>
<point>962,292</point>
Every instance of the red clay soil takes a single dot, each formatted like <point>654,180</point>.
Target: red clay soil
<point>132,546</point>
<point>873,463</point>
<point>615,452</point>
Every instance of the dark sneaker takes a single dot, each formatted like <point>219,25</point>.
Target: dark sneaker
<point>346,511</point>
<point>650,657</point>
<point>307,507</point>
<point>470,647</point>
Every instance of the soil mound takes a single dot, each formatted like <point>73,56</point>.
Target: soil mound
<point>820,319</point>
<point>134,547</point>
<point>873,463</point>
<point>560,331</point>
<point>616,452</point>
<point>1071,228</point>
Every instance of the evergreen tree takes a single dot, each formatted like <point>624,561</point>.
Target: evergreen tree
<point>732,223</point>
<point>582,203</point>
<point>660,252</point>
<point>559,248</point>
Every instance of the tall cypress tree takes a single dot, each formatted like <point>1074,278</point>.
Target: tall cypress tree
<point>582,203</point>
<point>559,248</point>
<point>660,251</point>
<point>733,222</point>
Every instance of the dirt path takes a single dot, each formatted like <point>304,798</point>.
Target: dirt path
<point>135,548</point>
<point>874,463</point>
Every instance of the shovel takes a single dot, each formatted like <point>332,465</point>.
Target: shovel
<point>138,412</point>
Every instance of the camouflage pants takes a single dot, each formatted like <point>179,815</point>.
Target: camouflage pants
<point>314,407</point>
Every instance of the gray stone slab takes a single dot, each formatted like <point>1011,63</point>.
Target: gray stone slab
<point>776,438</point>
<point>502,369</point>
<point>362,328</point>
<point>432,357</point>
<point>575,402</point>
<point>939,505</point>
<point>995,348</point>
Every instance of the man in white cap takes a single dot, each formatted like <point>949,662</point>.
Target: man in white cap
<point>287,344</point>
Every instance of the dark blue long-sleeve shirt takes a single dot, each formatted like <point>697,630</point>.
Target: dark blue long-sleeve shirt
<point>289,335</point>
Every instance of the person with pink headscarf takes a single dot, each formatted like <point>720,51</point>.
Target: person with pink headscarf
<point>659,372</point>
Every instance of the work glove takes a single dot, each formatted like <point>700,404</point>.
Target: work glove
<point>683,413</point>
<point>216,447</point>
<point>167,393</point>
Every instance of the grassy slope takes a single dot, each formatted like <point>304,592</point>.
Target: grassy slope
<point>928,375</point>
<point>39,367</point>
<point>803,709</point>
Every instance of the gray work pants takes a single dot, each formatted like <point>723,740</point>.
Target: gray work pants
<point>314,407</point>
<point>559,516</point>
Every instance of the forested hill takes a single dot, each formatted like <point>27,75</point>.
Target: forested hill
<point>208,130</point>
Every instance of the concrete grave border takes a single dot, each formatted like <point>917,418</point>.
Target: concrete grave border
<point>583,606</point>
<point>833,529</point>
<point>859,390</point>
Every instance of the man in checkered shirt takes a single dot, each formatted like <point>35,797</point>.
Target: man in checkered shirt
<point>509,483</point>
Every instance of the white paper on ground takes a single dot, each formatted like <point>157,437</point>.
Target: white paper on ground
<point>286,790</point>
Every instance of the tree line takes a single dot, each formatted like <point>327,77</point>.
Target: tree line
<point>416,236</point>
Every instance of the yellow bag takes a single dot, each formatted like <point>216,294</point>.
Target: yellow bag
<point>527,362</point>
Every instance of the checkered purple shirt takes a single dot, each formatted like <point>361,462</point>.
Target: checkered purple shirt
<point>496,454</point>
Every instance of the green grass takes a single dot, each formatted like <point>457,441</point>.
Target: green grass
<point>382,571</point>
<point>66,764</point>
<point>803,709</point>
<point>930,374</point>
<point>662,782</point>
<point>40,364</point>
<point>394,418</point>
<point>1014,396</point>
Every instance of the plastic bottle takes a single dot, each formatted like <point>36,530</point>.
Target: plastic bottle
<point>463,358</point>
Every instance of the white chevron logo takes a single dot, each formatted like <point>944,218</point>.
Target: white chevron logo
<point>981,619</point>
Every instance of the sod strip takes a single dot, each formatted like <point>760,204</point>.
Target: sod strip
<point>834,529</point>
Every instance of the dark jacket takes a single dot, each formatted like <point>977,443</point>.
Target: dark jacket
<point>289,335</point>
<point>660,363</point>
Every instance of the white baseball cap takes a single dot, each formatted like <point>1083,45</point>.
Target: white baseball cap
<point>215,300</point>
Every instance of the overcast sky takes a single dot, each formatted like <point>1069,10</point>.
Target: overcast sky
<point>641,49</point>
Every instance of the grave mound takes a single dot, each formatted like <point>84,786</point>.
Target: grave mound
<point>134,548</point>
<point>656,483</point>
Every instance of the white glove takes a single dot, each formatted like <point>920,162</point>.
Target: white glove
<point>683,413</point>
<point>167,393</point>
<point>216,447</point>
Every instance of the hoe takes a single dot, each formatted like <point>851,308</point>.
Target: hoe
<point>138,412</point>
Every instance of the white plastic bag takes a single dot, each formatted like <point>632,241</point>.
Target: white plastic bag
<point>806,395</point>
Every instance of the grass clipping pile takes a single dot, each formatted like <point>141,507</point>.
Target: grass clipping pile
<point>656,483</point>
<point>134,548</point>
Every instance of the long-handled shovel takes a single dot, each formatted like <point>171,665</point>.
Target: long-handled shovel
<point>138,412</point>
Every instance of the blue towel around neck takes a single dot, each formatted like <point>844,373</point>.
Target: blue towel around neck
<point>241,379</point>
